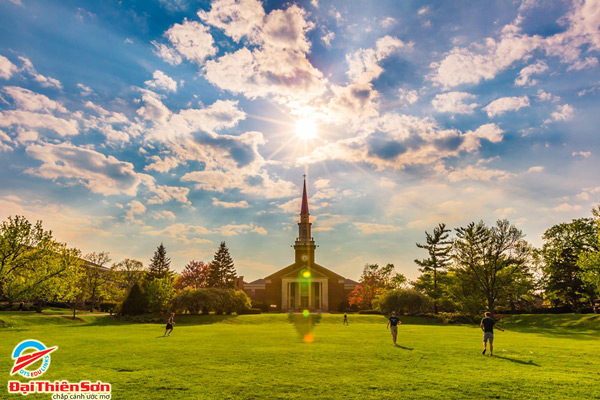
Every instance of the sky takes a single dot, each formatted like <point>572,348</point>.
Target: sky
<point>127,124</point>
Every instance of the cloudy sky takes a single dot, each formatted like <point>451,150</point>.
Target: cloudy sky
<point>126,124</point>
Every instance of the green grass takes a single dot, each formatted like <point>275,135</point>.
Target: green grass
<point>264,357</point>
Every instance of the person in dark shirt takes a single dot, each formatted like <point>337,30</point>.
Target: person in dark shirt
<point>393,323</point>
<point>487,325</point>
<point>345,319</point>
<point>170,323</point>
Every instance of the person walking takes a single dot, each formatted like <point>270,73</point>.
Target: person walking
<point>488,324</point>
<point>345,319</point>
<point>393,323</point>
<point>170,323</point>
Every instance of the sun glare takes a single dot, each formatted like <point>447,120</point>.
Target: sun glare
<point>306,128</point>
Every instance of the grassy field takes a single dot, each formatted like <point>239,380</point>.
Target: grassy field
<point>265,357</point>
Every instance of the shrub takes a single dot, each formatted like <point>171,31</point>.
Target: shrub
<point>404,301</point>
<point>211,299</point>
<point>250,311</point>
<point>370,312</point>
<point>159,292</point>
<point>136,302</point>
<point>262,307</point>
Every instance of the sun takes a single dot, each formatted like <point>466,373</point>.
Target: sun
<point>306,128</point>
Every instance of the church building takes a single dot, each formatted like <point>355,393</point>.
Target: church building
<point>303,285</point>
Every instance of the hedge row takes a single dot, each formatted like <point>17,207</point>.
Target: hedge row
<point>205,300</point>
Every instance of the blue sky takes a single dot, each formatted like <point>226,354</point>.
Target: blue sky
<point>127,124</point>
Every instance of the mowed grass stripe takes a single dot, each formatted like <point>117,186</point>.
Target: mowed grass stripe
<point>263,356</point>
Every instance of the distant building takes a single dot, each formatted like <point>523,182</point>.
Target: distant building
<point>303,285</point>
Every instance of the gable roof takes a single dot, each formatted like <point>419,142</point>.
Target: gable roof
<point>316,267</point>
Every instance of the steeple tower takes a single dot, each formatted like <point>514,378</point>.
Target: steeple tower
<point>304,245</point>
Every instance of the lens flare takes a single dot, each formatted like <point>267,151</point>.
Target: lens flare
<point>308,338</point>
<point>306,274</point>
<point>306,313</point>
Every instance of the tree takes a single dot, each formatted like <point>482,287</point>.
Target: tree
<point>222,271</point>
<point>128,272</point>
<point>96,276</point>
<point>159,292</point>
<point>160,264</point>
<point>563,277</point>
<point>196,274</point>
<point>589,261</point>
<point>136,302</point>
<point>374,279</point>
<point>403,301</point>
<point>490,258</point>
<point>439,249</point>
<point>33,266</point>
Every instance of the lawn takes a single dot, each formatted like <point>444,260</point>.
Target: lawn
<point>265,357</point>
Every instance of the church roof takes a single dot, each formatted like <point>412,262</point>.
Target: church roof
<point>304,209</point>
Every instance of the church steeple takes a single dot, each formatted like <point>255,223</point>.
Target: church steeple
<point>305,245</point>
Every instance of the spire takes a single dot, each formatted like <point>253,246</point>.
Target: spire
<point>304,209</point>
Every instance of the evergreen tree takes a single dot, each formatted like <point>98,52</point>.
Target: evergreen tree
<point>136,302</point>
<point>439,249</point>
<point>159,264</point>
<point>222,272</point>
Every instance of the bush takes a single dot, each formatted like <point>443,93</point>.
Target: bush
<point>136,302</point>
<point>211,299</point>
<point>250,311</point>
<point>262,307</point>
<point>107,307</point>
<point>159,292</point>
<point>404,301</point>
<point>370,312</point>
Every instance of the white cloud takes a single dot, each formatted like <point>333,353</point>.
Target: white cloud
<point>484,60</point>
<point>582,154</point>
<point>565,207</point>
<point>85,90</point>
<point>162,81</point>
<point>504,212</point>
<point>5,141</point>
<point>192,40</point>
<point>167,53</point>
<point>372,228</point>
<point>99,173</point>
<point>235,230</point>
<point>237,18</point>
<point>477,174</point>
<point>45,81</point>
<point>232,204</point>
<point>27,100</point>
<point>32,120</point>
<point>545,96</point>
<point>504,104</point>
<point>185,233</point>
<point>7,69</point>
<point>408,96</point>
<point>454,102</point>
<point>363,65</point>
<point>535,169</point>
<point>524,78</point>
<point>327,38</point>
<point>162,164</point>
<point>321,183</point>
<point>134,208</point>
<point>563,112</point>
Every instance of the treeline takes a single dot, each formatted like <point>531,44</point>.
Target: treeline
<point>477,267</point>
<point>36,268</point>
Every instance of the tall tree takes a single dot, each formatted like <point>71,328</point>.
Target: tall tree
<point>222,271</point>
<point>33,266</point>
<point>128,272</point>
<point>438,246</point>
<point>373,281</point>
<point>160,264</point>
<point>589,261</point>
<point>196,274</point>
<point>96,276</point>
<point>491,258</point>
<point>563,244</point>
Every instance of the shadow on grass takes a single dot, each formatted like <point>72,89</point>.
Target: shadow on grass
<point>530,362</point>
<point>404,348</point>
